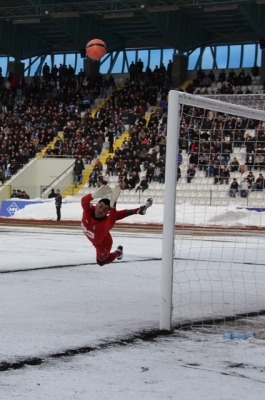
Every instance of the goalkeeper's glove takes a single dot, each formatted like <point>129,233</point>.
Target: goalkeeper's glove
<point>144,207</point>
<point>114,195</point>
<point>101,192</point>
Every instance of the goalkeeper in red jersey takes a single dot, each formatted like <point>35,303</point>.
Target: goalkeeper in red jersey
<point>97,221</point>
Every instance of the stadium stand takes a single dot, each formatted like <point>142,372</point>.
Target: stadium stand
<point>72,118</point>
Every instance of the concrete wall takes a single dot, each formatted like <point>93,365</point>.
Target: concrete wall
<point>39,173</point>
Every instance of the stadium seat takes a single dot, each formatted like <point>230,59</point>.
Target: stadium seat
<point>135,200</point>
<point>222,194</point>
<point>205,181</point>
<point>224,202</point>
<point>160,200</point>
<point>152,192</point>
<point>152,185</point>
<point>214,188</point>
<point>124,199</point>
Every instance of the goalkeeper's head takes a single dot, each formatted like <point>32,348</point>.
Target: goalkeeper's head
<point>105,201</point>
<point>102,208</point>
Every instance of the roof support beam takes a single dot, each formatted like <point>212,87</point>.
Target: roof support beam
<point>20,43</point>
<point>179,32</point>
<point>255,14</point>
<point>83,29</point>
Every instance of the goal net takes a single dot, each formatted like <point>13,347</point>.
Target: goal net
<point>213,257</point>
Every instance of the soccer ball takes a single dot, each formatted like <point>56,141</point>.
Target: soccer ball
<point>95,49</point>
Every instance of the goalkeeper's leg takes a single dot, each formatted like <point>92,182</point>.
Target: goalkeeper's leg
<point>104,256</point>
<point>144,207</point>
<point>139,210</point>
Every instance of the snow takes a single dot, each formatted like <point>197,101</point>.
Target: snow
<point>55,298</point>
<point>185,214</point>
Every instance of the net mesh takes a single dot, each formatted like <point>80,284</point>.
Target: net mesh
<point>219,273</point>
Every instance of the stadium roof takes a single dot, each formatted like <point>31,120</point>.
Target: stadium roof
<point>37,27</point>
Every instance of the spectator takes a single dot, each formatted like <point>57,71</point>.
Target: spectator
<point>203,161</point>
<point>110,165</point>
<point>250,161</point>
<point>25,195</point>
<point>161,178</point>
<point>110,137</point>
<point>123,182</point>
<point>169,69</point>
<point>251,180</point>
<point>233,188</point>
<point>234,165</point>
<point>78,169</point>
<point>225,157</point>
<point>136,177</point>
<point>2,176</point>
<point>150,173</point>
<point>52,194</point>
<point>244,188</point>
<point>255,70</point>
<point>209,170</point>
<point>157,172</point>
<point>100,180</point>
<point>224,175</point>
<point>93,178</point>
<point>232,78</point>
<point>90,154</point>
<point>132,71</point>
<point>13,194</point>
<point>131,182</point>
<point>178,173</point>
<point>8,172</point>
<point>211,76</point>
<point>222,76</point>
<point>258,161</point>
<point>190,173</point>
<point>106,178</point>
<point>19,194</point>
<point>179,158</point>
<point>143,184</point>
<point>259,184</point>
<point>98,167</point>
<point>58,204</point>
<point>194,158</point>
<point>217,170</point>
<point>248,80</point>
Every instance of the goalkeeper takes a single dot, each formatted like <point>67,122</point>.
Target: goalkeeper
<point>97,221</point>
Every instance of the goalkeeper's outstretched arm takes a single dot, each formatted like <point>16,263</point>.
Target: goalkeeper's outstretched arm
<point>114,196</point>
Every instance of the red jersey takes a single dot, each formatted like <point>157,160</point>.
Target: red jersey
<point>96,228</point>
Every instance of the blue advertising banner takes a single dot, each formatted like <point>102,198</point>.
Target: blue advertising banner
<point>258,209</point>
<point>9,207</point>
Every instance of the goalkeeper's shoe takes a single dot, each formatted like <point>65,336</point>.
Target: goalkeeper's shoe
<point>119,252</point>
<point>144,207</point>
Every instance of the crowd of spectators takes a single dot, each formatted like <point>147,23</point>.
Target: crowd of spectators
<point>34,111</point>
<point>247,185</point>
<point>61,102</point>
<point>229,82</point>
<point>19,194</point>
<point>144,148</point>
<point>221,145</point>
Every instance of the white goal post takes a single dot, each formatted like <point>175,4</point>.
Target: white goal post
<point>177,100</point>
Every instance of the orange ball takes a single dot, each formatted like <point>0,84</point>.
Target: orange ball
<point>95,49</point>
